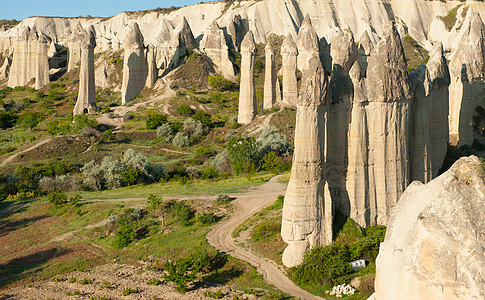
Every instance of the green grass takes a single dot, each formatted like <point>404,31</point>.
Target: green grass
<point>450,19</point>
<point>198,187</point>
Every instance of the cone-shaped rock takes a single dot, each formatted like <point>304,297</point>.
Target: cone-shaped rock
<point>23,66</point>
<point>270,80</point>
<point>237,31</point>
<point>467,68</point>
<point>429,138</point>
<point>343,51</point>
<point>365,47</point>
<point>152,67</point>
<point>42,63</point>
<point>307,43</point>
<point>134,65</point>
<point>182,40</point>
<point>435,239</point>
<point>86,100</point>
<point>214,45</point>
<point>289,52</point>
<point>247,93</point>
<point>379,131</point>
<point>5,69</point>
<point>307,212</point>
<point>74,46</point>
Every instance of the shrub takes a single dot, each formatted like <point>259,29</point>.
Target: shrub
<point>108,136</point>
<point>181,140</point>
<point>204,152</point>
<point>165,133</point>
<point>218,82</point>
<point>195,129</point>
<point>206,219</point>
<point>30,120</point>
<point>126,232</point>
<point>203,117</point>
<point>57,198</point>
<point>60,183</point>
<point>154,281</point>
<point>223,198</point>
<point>242,154</point>
<point>7,120</point>
<point>180,272</point>
<point>184,110</point>
<point>209,172</point>
<point>271,140</point>
<point>129,291</point>
<point>154,202</point>
<point>270,162</point>
<point>155,121</point>
<point>267,230</point>
<point>221,162</point>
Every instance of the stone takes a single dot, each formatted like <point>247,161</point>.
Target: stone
<point>307,43</point>
<point>270,79</point>
<point>237,31</point>
<point>289,52</point>
<point>134,66</point>
<point>74,46</point>
<point>467,68</point>
<point>307,210</point>
<point>365,47</point>
<point>22,69</point>
<point>152,67</point>
<point>182,40</point>
<point>42,63</point>
<point>214,45</point>
<point>429,135</point>
<point>378,134</point>
<point>86,99</point>
<point>434,242</point>
<point>5,69</point>
<point>247,92</point>
<point>343,51</point>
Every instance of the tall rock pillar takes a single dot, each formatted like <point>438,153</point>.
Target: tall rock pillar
<point>270,80</point>
<point>307,43</point>
<point>307,212</point>
<point>20,73</point>
<point>289,54</point>
<point>247,94</point>
<point>86,100</point>
<point>135,65</point>
<point>42,63</point>
<point>152,67</point>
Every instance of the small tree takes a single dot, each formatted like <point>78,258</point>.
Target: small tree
<point>57,198</point>
<point>30,120</point>
<point>180,272</point>
<point>130,176</point>
<point>242,154</point>
<point>155,121</point>
<point>218,82</point>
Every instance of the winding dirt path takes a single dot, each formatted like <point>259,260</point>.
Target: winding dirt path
<point>245,205</point>
<point>13,156</point>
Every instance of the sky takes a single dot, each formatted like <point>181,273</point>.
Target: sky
<point>21,9</point>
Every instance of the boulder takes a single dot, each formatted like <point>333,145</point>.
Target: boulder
<point>435,238</point>
<point>247,91</point>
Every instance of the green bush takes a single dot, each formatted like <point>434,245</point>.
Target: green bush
<point>270,162</point>
<point>57,198</point>
<point>154,202</point>
<point>30,120</point>
<point>7,120</point>
<point>155,121</point>
<point>267,230</point>
<point>108,136</point>
<point>243,154</point>
<point>166,133</point>
<point>271,140</point>
<point>205,152</point>
<point>126,232</point>
<point>184,110</point>
<point>218,82</point>
<point>180,140</point>
<point>180,272</point>
<point>210,172</point>
<point>203,117</point>
<point>206,219</point>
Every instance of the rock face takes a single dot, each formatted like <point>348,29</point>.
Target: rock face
<point>247,93</point>
<point>134,65</point>
<point>307,210</point>
<point>214,45</point>
<point>152,67</point>
<point>467,68</point>
<point>430,117</point>
<point>5,69</point>
<point>435,239</point>
<point>270,80</point>
<point>378,154</point>
<point>42,63</point>
<point>307,43</point>
<point>23,62</point>
<point>74,45</point>
<point>289,53</point>
<point>86,100</point>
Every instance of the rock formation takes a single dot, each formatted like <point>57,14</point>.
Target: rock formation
<point>182,40</point>
<point>86,100</point>
<point>237,31</point>
<point>270,80</point>
<point>307,210</point>
<point>378,168</point>
<point>134,65</point>
<point>5,69</point>
<point>152,67</point>
<point>429,137</point>
<point>467,68</point>
<point>74,46</point>
<point>42,63</point>
<point>289,54</point>
<point>23,67</point>
<point>435,239</point>
<point>365,47</point>
<point>247,93</point>
<point>214,45</point>
<point>307,43</point>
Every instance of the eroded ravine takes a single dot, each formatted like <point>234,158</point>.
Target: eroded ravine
<point>245,205</point>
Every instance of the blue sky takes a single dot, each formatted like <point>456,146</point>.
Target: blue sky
<point>21,9</point>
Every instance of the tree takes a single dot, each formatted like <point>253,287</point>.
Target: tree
<point>7,120</point>
<point>155,121</point>
<point>30,120</point>
<point>130,176</point>
<point>243,154</point>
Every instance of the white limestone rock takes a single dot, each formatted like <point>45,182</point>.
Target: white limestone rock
<point>5,69</point>
<point>134,65</point>
<point>42,63</point>
<point>435,239</point>
<point>307,210</point>
<point>289,52</point>
<point>247,92</point>
<point>307,43</point>
<point>86,99</point>
<point>152,67</point>
<point>270,80</point>
<point>214,45</point>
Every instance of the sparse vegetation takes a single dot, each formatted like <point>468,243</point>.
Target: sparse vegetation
<point>450,19</point>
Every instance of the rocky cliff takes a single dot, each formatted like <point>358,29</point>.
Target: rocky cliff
<point>435,239</point>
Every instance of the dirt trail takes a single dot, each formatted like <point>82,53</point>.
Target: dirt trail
<point>245,205</point>
<point>12,157</point>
